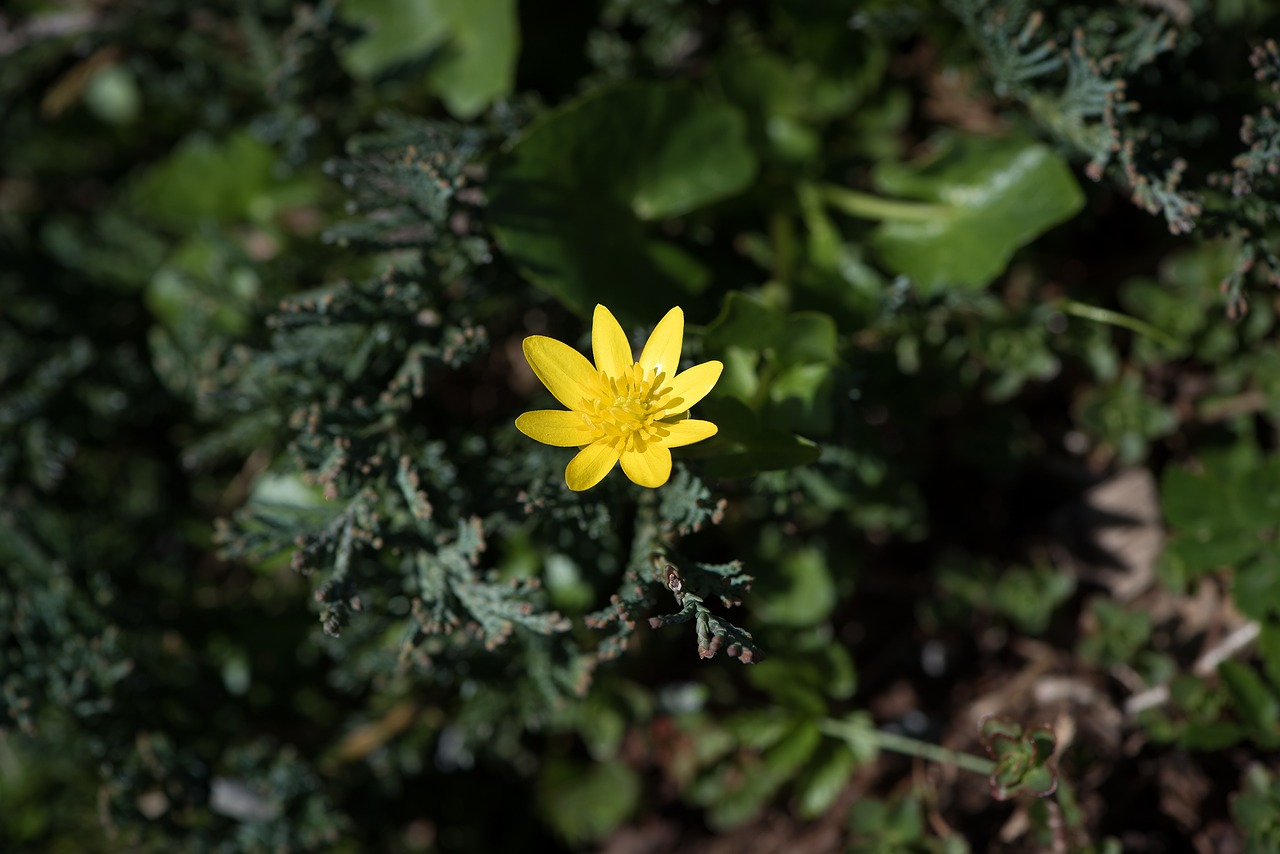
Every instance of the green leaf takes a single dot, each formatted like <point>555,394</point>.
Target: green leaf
<point>572,201</point>
<point>826,780</point>
<point>1120,633</point>
<point>1256,589</point>
<point>760,729</point>
<point>479,66</point>
<point>1256,703</point>
<point>1212,736</point>
<point>744,446</point>
<point>772,96</point>
<point>785,757</point>
<point>793,682</point>
<point>744,322</point>
<point>1224,515</point>
<point>868,817</point>
<point>602,726</point>
<point>802,593</point>
<point>1196,699</point>
<point>790,355</point>
<point>800,400</point>
<point>1126,417</point>
<point>1029,597</point>
<point>807,338</point>
<point>988,198</point>
<point>997,733</point>
<point>1178,314</point>
<point>586,804</point>
<point>1269,647</point>
<point>395,33</point>
<point>206,180</point>
<point>841,678</point>
<point>472,45</point>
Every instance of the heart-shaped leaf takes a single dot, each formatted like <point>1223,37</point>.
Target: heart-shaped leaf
<point>987,196</point>
<point>744,446</point>
<point>472,46</point>
<point>573,203</point>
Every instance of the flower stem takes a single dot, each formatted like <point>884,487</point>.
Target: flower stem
<point>1115,318</point>
<point>867,206</point>
<point>933,752</point>
<point>906,745</point>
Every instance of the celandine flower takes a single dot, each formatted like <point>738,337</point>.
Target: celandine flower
<point>619,410</point>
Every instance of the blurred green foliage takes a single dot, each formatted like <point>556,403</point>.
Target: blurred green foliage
<point>281,576</point>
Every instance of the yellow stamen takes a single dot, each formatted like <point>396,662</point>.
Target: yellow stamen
<point>631,405</point>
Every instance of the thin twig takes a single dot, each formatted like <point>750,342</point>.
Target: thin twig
<point>1205,665</point>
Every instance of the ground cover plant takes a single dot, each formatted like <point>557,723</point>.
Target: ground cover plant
<point>652,425</point>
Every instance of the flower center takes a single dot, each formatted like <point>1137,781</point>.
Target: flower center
<point>630,407</point>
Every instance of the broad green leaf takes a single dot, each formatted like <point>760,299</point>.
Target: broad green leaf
<point>785,757</point>
<point>818,670</point>
<point>791,354</point>
<point>808,338</point>
<point>800,593</point>
<point>840,675</point>
<point>986,197</point>
<point>586,804</point>
<point>826,780</point>
<point>745,322</point>
<point>1194,696</point>
<point>396,32</point>
<point>1126,417</point>
<point>1256,589</point>
<point>1256,703</point>
<point>793,682</point>
<point>1269,647</point>
<point>800,400</point>
<point>1030,596</point>
<point>737,802</point>
<point>837,65</point>
<point>1120,634</point>
<point>1223,515</point>
<point>1212,736</point>
<point>203,180</point>
<point>760,729</point>
<point>1175,313</point>
<point>572,202</point>
<point>470,46</point>
<point>868,817</point>
<point>744,446</point>
<point>740,378</point>
<point>479,65</point>
<point>602,726</point>
<point>772,96</point>
<point>1257,809</point>
<point>904,823</point>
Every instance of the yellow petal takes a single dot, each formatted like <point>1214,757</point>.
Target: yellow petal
<point>555,427</point>
<point>563,370</point>
<point>650,467</point>
<point>609,344</point>
<point>687,432</point>
<point>662,350</point>
<point>689,387</point>
<point>590,466</point>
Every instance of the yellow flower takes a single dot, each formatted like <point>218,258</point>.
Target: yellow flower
<point>619,410</point>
